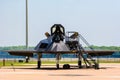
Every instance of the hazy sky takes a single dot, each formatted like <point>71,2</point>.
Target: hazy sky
<point>97,20</point>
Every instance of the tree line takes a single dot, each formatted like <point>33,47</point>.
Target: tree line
<point>105,47</point>
<point>15,48</point>
<point>94,47</point>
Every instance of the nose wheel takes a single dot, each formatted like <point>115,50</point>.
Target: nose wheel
<point>66,66</point>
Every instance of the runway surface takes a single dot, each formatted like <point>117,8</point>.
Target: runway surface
<point>106,72</point>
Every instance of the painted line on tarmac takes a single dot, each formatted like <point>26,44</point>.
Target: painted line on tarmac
<point>25,73</point>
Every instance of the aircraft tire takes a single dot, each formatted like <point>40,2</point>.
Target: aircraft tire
<point>66,66</point>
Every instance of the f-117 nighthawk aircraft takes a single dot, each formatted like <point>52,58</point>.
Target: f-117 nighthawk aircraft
<point>58,42</point>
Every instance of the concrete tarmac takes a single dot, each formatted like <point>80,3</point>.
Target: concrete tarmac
<point>109,71</point>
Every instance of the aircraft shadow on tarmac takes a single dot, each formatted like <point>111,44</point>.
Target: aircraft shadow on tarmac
<point>46,68</point>
<point>67,75</point>
<point>53,68</point>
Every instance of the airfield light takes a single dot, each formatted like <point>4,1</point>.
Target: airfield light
<point>26,24</point>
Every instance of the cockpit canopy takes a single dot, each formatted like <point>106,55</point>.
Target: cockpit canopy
<point>58,32</point>
<point>57,29</point>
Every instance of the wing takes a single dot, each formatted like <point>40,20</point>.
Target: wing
<point>22,52</point>
<point>100,53</point>
<point>31,52</point>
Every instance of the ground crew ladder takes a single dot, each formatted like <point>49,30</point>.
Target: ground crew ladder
<point>87,62</point>
<point>85,59</point>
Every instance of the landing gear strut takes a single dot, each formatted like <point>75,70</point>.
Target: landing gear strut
<point>79,64</point>
<point>57,65</point>
<point>39,61</point>
<point>57,60</point>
